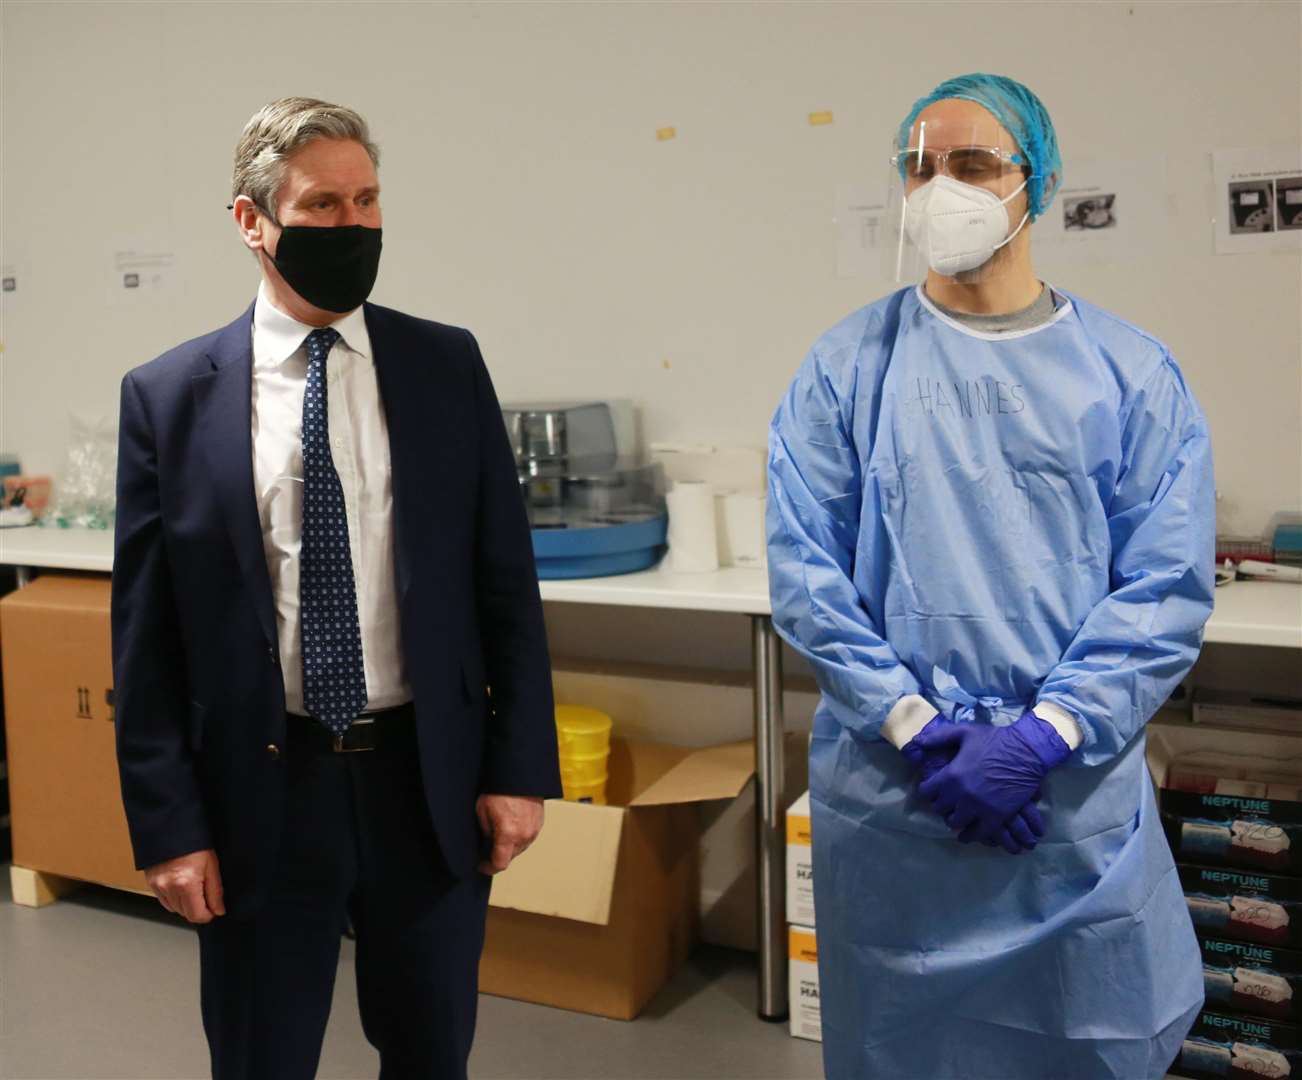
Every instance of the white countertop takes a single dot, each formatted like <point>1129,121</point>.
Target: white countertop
<point>57,549</point>
<point>1247,612</point>
<point>1257,613</point>
<point>742,592</point>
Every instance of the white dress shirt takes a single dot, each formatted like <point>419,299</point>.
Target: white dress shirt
<point>359,445</point>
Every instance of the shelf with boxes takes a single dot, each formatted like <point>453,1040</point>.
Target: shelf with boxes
<point>1231,806</point>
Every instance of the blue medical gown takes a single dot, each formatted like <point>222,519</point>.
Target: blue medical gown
<point>990,521</point>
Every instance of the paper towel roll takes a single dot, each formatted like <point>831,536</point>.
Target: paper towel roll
<point>693,538</point>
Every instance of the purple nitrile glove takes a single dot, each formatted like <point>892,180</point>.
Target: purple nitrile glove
<point>1021,833</point>
<point>995,771</point>
<point>928,763</point>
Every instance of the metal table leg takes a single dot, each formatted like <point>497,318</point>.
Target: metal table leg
<point>769,818</point>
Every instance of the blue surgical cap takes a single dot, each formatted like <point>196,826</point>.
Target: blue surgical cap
<point>1026,119</point>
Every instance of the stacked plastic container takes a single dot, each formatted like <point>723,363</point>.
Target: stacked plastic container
<point>1287,542</point>
<point>583,735</point>
<point>1236,831</point>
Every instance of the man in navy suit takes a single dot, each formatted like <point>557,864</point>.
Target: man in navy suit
<point>333,690</point>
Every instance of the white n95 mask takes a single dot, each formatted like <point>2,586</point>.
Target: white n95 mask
<point>958,226</point>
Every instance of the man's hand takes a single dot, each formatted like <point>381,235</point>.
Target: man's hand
<point>189,885</point>
<point>510,823</point>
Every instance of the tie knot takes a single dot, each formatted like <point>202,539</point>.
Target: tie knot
<point>320,341</point>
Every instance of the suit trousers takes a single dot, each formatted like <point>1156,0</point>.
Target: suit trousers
<point>357,843</point>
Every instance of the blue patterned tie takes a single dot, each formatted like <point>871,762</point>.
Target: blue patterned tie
<point>334,680</point>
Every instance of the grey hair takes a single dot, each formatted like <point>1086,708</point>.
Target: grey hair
<point>276,131</point>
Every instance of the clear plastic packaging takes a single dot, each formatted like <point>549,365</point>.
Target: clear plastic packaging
<point>86,497</point>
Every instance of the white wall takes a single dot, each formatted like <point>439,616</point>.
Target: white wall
<point>527,197</point>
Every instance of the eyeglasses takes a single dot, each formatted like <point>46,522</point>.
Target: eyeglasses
<point>971,164</point>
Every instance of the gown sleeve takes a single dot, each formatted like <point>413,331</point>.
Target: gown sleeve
<point>814,508</point>
<point>1138,643</point>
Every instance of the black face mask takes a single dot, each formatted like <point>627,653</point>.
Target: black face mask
<point>333,268</point>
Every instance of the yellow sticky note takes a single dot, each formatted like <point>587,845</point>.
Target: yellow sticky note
<point>665,133</point>
<point>818,119</point>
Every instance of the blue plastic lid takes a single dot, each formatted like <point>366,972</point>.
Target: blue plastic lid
<point>1288,538</point>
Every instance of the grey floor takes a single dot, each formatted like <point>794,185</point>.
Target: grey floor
<point>105,985</point>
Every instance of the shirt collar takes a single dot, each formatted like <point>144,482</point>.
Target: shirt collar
<point>279,336</point>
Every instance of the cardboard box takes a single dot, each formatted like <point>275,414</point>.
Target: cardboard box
<point>604,907</point>
<point>800,864</point>
<point>1234,830</point>
<point>64,797</point>
<point>1258,980</point>
<point>1229,798</point>
<point>1221,1046</point>
<point>1244,905</point>
<point>803,991</point>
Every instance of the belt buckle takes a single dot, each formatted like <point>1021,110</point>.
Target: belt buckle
<point>337,741</point>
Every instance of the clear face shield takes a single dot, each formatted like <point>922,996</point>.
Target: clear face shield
<point>956,202</point>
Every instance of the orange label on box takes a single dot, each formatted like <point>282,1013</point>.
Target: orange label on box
<point>803,946</point>
<point>798,831</point>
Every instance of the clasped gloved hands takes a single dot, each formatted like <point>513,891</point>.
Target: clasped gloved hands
<point>1019,834</point>
<point>984,780</point>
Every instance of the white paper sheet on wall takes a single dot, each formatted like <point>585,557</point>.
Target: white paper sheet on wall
<point>141,271</point>
<point>860,218</point>
<point>1258,199</point>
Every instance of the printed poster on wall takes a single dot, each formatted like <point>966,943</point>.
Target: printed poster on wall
<point>1258,195</point>
<point>1104,210</point>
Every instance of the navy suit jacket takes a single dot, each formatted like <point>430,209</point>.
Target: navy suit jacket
<point>199,693</point>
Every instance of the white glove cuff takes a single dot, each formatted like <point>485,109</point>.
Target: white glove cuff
<point>1063,722</point>
<point>907,717</point>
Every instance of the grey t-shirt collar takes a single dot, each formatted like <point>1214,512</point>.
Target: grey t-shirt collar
<point>1036,314</point>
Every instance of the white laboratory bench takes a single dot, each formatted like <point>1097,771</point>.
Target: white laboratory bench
<point>1247,613</point>
<point>33,548</point>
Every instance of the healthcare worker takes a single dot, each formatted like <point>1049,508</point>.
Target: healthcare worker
<point>991,534</point>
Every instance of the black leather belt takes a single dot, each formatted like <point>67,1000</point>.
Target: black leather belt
<point>390,729</point>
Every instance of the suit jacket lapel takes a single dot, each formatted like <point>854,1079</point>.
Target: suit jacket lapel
<point>223,401</point>
<point>397,398</point>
